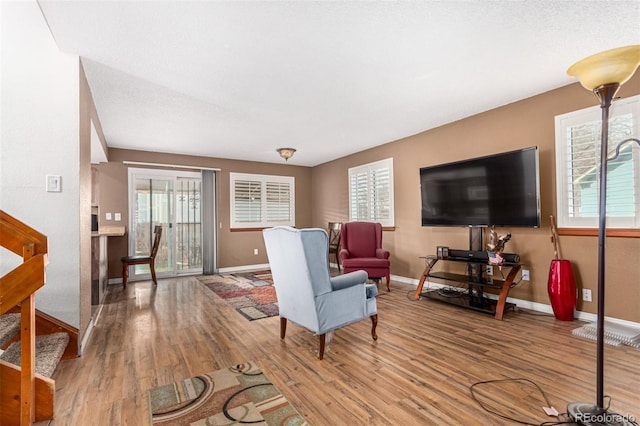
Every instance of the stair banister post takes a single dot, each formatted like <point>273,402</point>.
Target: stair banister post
<point>28,350</point>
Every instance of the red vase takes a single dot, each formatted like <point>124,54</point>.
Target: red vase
<point>562,289</point>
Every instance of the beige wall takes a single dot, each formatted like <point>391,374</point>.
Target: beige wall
<point>235,249</point>
<point>322,196</point>
<point>522,124</point>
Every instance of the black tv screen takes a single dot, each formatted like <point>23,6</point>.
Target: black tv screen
<point>500,190</point>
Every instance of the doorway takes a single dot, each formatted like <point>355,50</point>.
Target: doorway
<point>171,199</point>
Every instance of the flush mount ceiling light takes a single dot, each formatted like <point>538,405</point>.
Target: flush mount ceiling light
<point>286,153</point>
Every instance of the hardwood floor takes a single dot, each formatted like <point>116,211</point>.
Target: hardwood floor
<point>427,356</point>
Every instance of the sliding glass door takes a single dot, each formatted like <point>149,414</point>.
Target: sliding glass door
<point>151,207</point>
<point>172,200</point>
<point>188,229</point>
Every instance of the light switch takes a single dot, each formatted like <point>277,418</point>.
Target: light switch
<point>54,183</point>
<point>108,216</point>
<point>118,217</point>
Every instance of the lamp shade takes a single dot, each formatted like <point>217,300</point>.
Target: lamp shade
<point>608,67</point>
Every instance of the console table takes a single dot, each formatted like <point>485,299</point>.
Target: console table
<point>473,297</point>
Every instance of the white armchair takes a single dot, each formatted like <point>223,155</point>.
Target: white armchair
<point>307,295</point>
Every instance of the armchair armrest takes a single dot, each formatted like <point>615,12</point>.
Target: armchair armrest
<point>344,254</point>
<point>348,280</point>
<point>341,307</point>
<point>382,253</point>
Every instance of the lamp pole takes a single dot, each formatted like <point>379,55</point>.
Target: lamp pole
<point>603,73</point>
<point>605,94</point>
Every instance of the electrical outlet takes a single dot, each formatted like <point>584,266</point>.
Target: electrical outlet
<point>525,274</point>
<point>255,252</point>
<point>489,270</point>
<point>586,295</point>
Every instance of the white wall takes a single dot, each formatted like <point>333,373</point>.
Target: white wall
<point>39,136</point>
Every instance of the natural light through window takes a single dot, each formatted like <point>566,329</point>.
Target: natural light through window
<point>259,201</point>
<point>578,162</point>
<point>371,192</point>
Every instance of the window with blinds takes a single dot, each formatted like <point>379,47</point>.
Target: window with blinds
<point>578,167</point>
<point>371,192</point>
<point>260,201</point>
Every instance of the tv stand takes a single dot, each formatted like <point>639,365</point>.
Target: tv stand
<point>473,296</point>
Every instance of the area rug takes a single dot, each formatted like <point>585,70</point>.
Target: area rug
<point>241,394</point>
<point>250,293</point>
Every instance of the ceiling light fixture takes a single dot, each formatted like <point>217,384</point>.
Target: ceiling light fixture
<point>286,153</point>
<point>603,73</point>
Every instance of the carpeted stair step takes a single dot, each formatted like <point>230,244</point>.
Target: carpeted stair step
<point>9,327</point>
<point>49,350</point>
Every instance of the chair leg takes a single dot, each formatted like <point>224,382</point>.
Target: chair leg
<point>323,339</point>
<point>374,324</point>
<point>338,261</point>
<point>155,281</point>
<point>283,327</point>
<point>125,272</point>
<point>388,279</point>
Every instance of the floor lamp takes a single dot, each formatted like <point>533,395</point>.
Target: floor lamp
<point>603,73</point>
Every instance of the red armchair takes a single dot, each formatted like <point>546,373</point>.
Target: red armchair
<point>362,249</point>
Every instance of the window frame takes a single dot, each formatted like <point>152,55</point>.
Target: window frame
<point>568,120</point>
<point>369,168</point>
<point>263,181</point>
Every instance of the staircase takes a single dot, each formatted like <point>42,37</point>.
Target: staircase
<point>32,343</point>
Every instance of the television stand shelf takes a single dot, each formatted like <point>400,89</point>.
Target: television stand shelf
<point>472,297</point>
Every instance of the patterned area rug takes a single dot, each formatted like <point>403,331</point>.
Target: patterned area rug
<point>251,293</point>
<point>237,395</point>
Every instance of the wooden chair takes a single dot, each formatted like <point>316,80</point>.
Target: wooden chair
<point>143,260</point>
<point>334,240</point>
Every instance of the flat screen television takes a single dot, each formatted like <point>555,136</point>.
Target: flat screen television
<point>500,190</point>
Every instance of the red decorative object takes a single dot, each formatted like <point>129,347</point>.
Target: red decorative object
<point>562,283</point>
<point>562,289</point>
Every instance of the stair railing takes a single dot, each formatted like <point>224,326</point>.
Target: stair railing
<point>18,287</point>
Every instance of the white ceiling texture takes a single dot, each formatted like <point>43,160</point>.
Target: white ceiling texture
<point>238,79</point>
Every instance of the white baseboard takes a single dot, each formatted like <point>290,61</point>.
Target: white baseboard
<point>243,268</point>
<point>85,337</point>
<point>525,304</point>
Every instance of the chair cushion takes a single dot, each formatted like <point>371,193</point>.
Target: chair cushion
<point>366,262</point>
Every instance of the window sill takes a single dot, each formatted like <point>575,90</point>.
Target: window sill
<point>247,229</point>
<point>593,232</point>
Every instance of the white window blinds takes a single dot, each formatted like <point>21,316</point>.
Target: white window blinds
<point>371,192</point>
<point>259,201</point>
<point>578,167</point>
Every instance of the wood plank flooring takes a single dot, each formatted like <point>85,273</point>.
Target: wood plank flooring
<point>427,356</point>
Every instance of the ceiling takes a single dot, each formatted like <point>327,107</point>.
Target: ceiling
<point>238,79</point>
